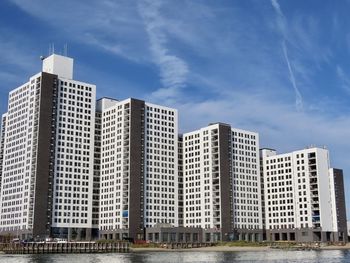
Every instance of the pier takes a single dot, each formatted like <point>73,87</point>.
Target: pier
<point>69,247</point>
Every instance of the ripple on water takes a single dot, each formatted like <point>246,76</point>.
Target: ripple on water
<point>323,256</point>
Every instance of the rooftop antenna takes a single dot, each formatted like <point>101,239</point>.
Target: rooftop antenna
<point>51,48</point>
<point>65,50</point>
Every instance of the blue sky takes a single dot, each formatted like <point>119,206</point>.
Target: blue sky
<point>277,67</point>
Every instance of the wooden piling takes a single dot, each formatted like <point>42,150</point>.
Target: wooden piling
<point>69,247</point>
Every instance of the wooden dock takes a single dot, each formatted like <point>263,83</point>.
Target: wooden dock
<point>69,247</point>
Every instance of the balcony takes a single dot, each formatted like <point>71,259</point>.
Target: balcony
<point>214,144</point>
<point>314,195</point>
<point>315,206</point>
<point>313,187</point>
<point>312,155</point>
<point>312,168</point>
<point>313,181</point>
<point>216,189</point>
<point>215,169</point>
<point>216,180</point>
<point>315,201</point>
<point>316,219</point>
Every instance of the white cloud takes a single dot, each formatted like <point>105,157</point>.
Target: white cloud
<point>298,98</point>
<point>344,79</point>
<point>113,26</point>
<point>277,7</point>
<point>282,24</point>
<point>12,52</point>
<point>173,69</point>
<point>227,55</point>
<point>280,127</point>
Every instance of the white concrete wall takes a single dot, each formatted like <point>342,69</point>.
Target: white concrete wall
<point>324,190</point>
<point>333,200</point>
<point>59,65</point>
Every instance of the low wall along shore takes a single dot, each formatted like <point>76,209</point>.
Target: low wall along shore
<point>69,247</point>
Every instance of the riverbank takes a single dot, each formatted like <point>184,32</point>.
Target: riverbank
<point>332,247</point>
<point>236,248</point>
<point>202,249</point>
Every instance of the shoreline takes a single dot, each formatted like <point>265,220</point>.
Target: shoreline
<point>238,249</point>
<point>203,249</point>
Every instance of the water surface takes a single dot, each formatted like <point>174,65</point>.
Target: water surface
<point>323,256</point>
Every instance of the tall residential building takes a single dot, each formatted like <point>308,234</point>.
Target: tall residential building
<point>247,213</point>
<point>47,168</point>
<point>222,183</point>
<point>74,168</point>
<point>139,174</point>
<point>299,196</point>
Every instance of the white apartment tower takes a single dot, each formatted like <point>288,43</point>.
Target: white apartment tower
<point>139,174</point>
<point>47,165</point>
<point>222,183</point>
<point>300,203</point>
<point>74,168</point>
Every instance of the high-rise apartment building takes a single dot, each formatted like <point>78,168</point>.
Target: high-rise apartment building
<point>300,203</point>
<point>139,174</point>
<point>47,164</point>
<point>222,183</point>
<point>247,213</point>
<point>75,168</point>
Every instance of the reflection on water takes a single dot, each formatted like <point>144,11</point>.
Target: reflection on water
<point>334,256</point>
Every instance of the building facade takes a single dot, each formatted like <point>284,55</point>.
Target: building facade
<point>2,143</point>
<point>299,196</point>
<point>47,167</point>
<point>74,168</point>
<point>139,174</point>
<point>222,183</point>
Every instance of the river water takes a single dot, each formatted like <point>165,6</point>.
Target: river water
<point>323,256</point>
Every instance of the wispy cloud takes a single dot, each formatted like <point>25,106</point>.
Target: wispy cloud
<point>344,79</point>
<point>12,51</point>
<point>135,31</point>
<point>113,26</point>
<point>118,49</point>
<point>270,122</point>
<point>173,69</point>
<point>16,60</point>
<point>217,60</point>
<point>277,7</point>
<point>282,25</point>
<point>298,98</point>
